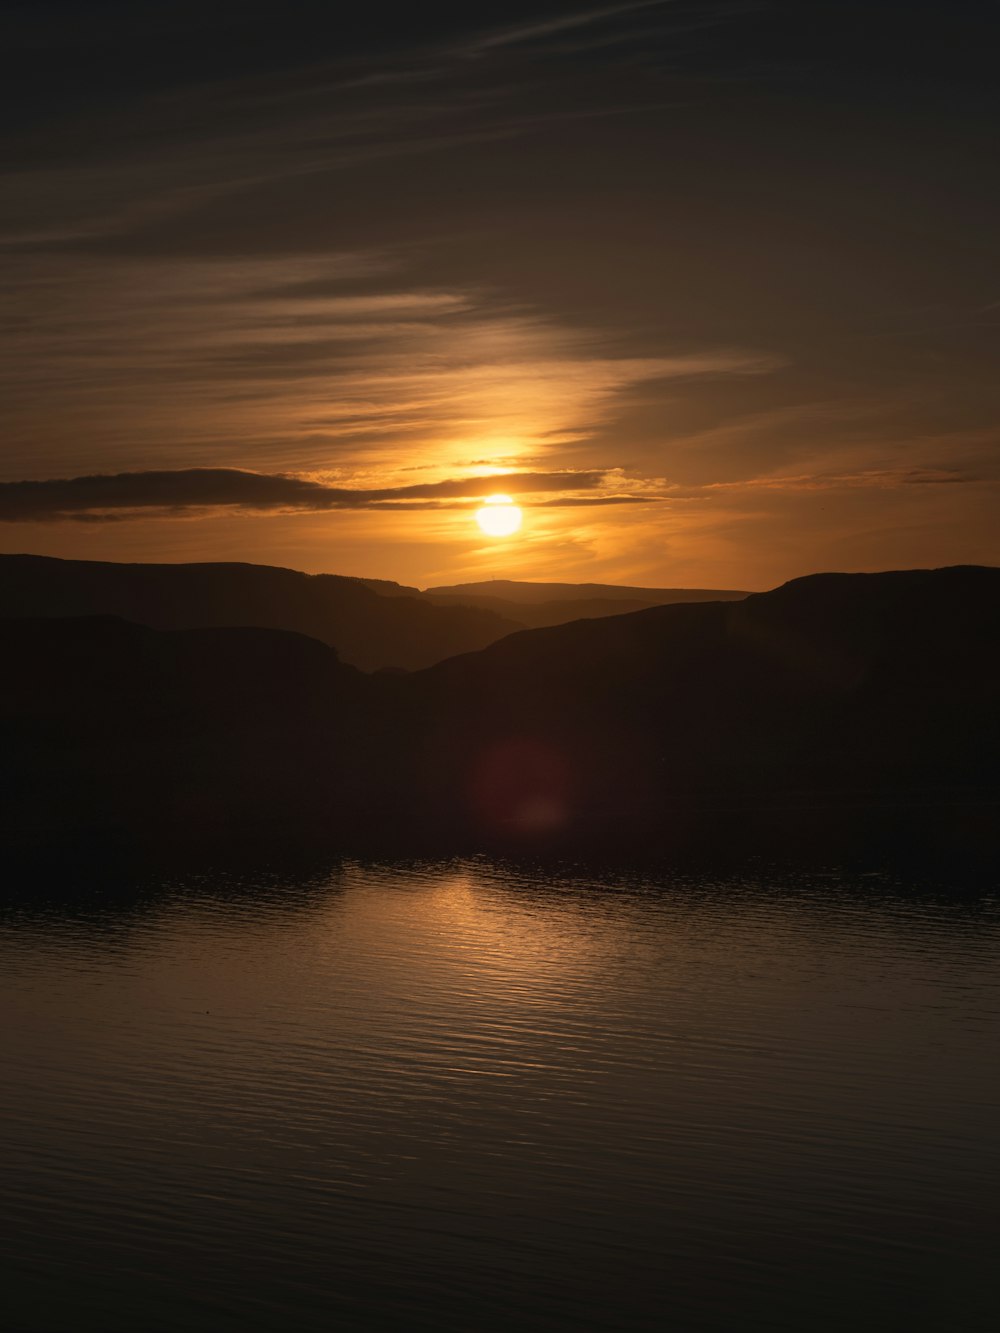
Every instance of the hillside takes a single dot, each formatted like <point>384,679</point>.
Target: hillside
<point>514,590</point>
<point>538,605</point>
<point>111,730</point>
<point>834,687</point>
<point>370,629</point>
<point>865,702</point>
<point>372,623</point>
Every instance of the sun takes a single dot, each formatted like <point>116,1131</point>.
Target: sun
<point>499,516</point>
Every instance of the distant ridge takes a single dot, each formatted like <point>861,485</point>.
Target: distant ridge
<point>372,623</point>
<point>514,590</point>
<point>538,605</point>
<point>371,627</point>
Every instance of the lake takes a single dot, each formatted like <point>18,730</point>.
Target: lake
<point>472,1096</point>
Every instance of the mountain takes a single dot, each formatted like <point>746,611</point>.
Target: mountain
<point>541,615</point>
<point>845,691</point>
<point>513,590</point>
<point>372,625</point>
<point>538,605</point>
<point>114,731</point>
<point>862,705</point>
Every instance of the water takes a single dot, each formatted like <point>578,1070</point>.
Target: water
<point>463,1097</point>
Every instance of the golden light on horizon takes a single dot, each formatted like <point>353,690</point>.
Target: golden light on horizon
<point>499,516</point>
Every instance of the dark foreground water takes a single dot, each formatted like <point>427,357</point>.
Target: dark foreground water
<point>462,1097</point>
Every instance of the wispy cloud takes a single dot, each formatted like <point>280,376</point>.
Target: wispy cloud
<point>870,478</point>
<point>518,34</point>
<point>300,364</point>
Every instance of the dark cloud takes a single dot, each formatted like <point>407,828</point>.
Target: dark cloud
<point>564,501</point>
<point>106,496</point>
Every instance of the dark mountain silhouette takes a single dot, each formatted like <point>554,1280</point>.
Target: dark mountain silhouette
<point>537,605</point>
<point>842,689</point>
<point>540,615</point>
<point>515,590</point>
<point>370,623</point>
<point>859,704</point>
<point>111,729</point>
<point>389,587</point>
<point>373,623</point>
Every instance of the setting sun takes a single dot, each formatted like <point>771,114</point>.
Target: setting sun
<point>499,516</point>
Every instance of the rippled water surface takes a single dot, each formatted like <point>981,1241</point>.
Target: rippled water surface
<point>462,1097</point>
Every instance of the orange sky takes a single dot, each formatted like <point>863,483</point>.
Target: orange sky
<point>724,287</point>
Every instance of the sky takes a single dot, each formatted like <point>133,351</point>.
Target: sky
<point>710,289</point>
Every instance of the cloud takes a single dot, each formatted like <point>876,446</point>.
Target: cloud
<point>304,364</point>
<point>583,501</point>
<point>870,478</point>
<point>311,264</point>
<point>115,496</point>
<point>534,31</point>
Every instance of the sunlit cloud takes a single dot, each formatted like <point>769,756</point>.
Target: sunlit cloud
<point>285,363</point>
